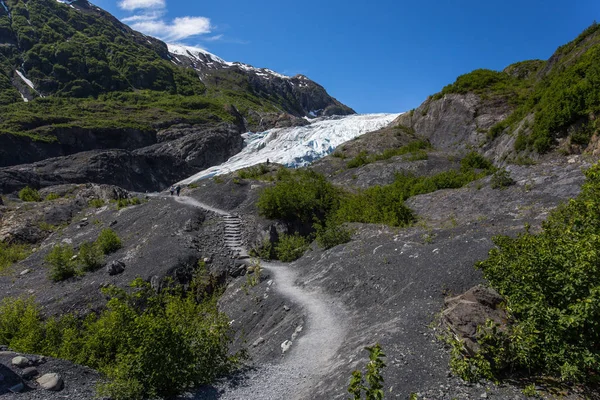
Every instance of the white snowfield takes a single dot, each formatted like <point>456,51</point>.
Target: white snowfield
<point>297,146</point>
<point>194,54</point>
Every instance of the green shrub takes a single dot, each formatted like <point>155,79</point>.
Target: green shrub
<point>416,151</point>
<point>12,253</point>
<point>291,247</point>
<point>551,285</point>
<point>255,172</point>
<point>90,257</point>
<point>52,196</point>
<point>300,195</point>
<point>29,194</point>
<point>148,344</point>
<point>133,201</point>
<point>474,160</point>
<point>359,160</point>
<point>96,203</point>
<point>61,262</point>
<point>373,389</point>
<point>501,179</point>
<point>378,204</point>
<point>108,241</point>
<point>332,234</point>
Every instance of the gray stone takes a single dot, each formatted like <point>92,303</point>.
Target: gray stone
<point>51,381</point>
<point>115,267</point>
<point>464,313</point>
<point>20,361</point>
<point>18,388</point>
<point>258,341</point>
<point>285,346</point>
<point>286,308</point>
<point>30,372</point>
<point>25,272</point>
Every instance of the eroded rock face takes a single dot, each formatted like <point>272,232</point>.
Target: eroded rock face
<point>149,168</point>
<point>465,313</point>
<point>459,122</point>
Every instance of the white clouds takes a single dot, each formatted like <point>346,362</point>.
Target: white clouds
<point>178,29</point>
<point>141,4</point>
<point>151,22</point>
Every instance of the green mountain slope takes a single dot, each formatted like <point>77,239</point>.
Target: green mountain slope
<point>559,98</point>
<point>74,66</point>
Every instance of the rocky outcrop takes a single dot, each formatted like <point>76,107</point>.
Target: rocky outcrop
<point>31,223</point>
<point>458,122</point>
<point>197,148</point>
<point>150,168</point>
<point>65,141</point>
<point>464,314</point>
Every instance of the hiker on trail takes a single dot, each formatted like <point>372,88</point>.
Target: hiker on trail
<point>178,189</point>
<point>267,161</point>
<point>172,190</point>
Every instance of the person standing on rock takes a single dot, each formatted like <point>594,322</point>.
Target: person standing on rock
<point>172,190</point>
<point>178,189</point>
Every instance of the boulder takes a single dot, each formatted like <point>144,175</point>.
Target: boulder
<point>20,362</point>
<point>464,313</point>
<point>115,267</point>
<point>51,381</point>
<point>29,372</point>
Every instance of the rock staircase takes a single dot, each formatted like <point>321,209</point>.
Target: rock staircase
<point>233,235</point>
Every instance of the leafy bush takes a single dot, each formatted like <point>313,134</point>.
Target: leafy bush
<point>551,284</point>
<point>501,179</point>
<point>374,390</point>
<point>301,195</point>
<point>12,253</point>
<point>52,196</point>
<point>148,344</point>
<point>122,203</point>
<point>291,247</point>
<point>474,160</point>
<point>332,234</point>
<point>96,203</point>
<point>255,172</point>
<point>90,257</point>
<point>62,264</point>
<point>108,241</point>
<point>359,160</point>
<point>29,194</point>
<point>416,151</point>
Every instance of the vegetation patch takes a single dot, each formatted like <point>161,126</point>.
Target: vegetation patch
<point>61,260</point>
<point>291,247</point>
<point>256,172</point>
<point>108,241</point>
<point>123,203</point>
<point>148,344</point>
<point>551,284</point>
<point>12,253</point>
<point>29,194</point>
<point>415,150</point>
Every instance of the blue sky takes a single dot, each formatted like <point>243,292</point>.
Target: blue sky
<point>377,56</point>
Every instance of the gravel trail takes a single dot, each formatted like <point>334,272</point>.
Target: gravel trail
<point>309,352</point>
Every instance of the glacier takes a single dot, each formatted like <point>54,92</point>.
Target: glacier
<point>297,146</point>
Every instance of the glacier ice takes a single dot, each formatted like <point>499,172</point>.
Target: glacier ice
<point>297,146</point>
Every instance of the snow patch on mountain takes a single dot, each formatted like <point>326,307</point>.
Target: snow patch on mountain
<point>211,61</point>
<point>297,146</point>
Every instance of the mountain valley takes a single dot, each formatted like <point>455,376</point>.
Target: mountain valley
<point>304,232</point>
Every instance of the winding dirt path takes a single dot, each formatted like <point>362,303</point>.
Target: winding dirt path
<point>311,352</point>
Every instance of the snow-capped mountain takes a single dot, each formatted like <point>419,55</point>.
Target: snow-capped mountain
<point>297,146</point>
<point>297,95</point>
